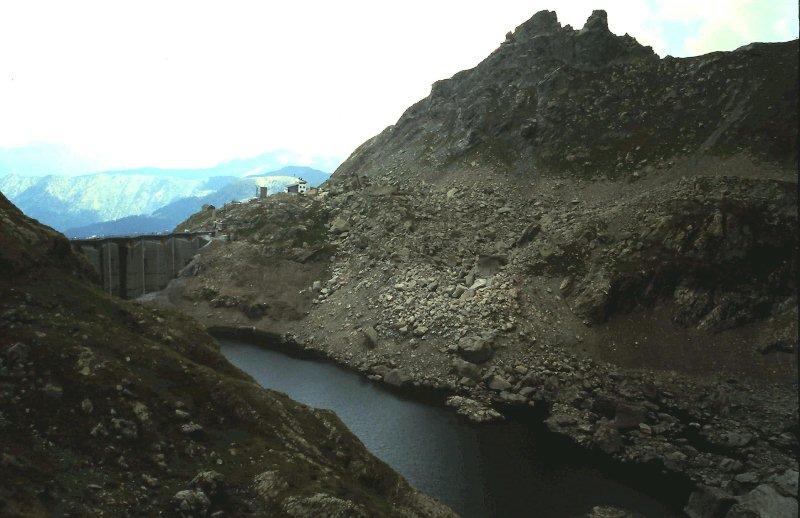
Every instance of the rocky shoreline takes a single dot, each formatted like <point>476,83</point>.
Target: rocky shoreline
<point>671,488</point>
<point>629,435</point>
<point>494,344</point>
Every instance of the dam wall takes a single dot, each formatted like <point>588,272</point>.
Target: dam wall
<point>133,266</point>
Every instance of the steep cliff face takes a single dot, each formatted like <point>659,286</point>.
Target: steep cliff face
<point>109,408</point>
<point>588,103</point>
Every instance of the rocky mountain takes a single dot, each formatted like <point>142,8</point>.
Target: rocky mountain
<point>586,102</point>
<point>141,201</point>
<point>110,408</point>
<point>576,225</point>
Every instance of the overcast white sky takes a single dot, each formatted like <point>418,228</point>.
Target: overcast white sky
<point>192,83</point>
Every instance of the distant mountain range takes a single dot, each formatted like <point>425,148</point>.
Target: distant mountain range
<point>44,158</point>
<point>146,200</point>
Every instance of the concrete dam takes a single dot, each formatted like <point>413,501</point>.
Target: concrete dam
<point>133,266</point>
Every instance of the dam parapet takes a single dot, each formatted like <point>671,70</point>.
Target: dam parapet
<point>130,267</point>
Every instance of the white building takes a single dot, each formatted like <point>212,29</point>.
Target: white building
<point>298,188</point>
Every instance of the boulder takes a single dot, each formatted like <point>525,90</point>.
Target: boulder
<point>764,502</point>
<point>420,331</point>
<point>627,416</point>
<point>339,225</point>
<point>557,421</point>
<point>466,369</point>
<point>396,377</point>
<point>607,438</point>
<point>709,502</point>
<point>489,265</point>
<point>473,410</point>
<point>191,428</point>
<point>211,483</point>
<point>498,383</point>
<point>786,482</point>
<point>738,439</point>
<point>510,397</point>
<point>475,350</point>
<point>141,412</point>
<point>478,284</point>
<point>191,503</point>
<point>369,337</point>
<point>269,485</point>
<point>256,310</point>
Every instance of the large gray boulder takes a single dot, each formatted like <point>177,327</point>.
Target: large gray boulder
<point>475,349</point>
<point>466,369</point>
<point>397,377</point>
<point>786,483</point>
<point>764,502</point>
<point>709,502</point>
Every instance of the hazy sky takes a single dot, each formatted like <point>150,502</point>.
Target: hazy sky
<point>184,84</point>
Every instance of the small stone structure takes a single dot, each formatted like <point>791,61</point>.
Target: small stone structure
<point>298,188</point>
<point>263,192</point>
<point>133,266</point>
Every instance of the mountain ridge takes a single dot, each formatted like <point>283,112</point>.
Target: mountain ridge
<point>554,100</point>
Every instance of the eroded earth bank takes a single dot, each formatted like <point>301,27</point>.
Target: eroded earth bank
<point>574,223</point>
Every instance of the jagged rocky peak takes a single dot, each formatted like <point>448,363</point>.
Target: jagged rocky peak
<point>587,103</point>
<point>592,46</point>
<point>542,22</point>
<point>598,21</point>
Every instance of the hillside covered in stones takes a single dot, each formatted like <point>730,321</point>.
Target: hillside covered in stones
<point>575,224</point>
<point>108,408</point>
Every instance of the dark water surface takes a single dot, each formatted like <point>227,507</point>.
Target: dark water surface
<point>506,469</point>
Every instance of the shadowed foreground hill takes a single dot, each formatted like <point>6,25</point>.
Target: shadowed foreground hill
<point>109,408</point>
